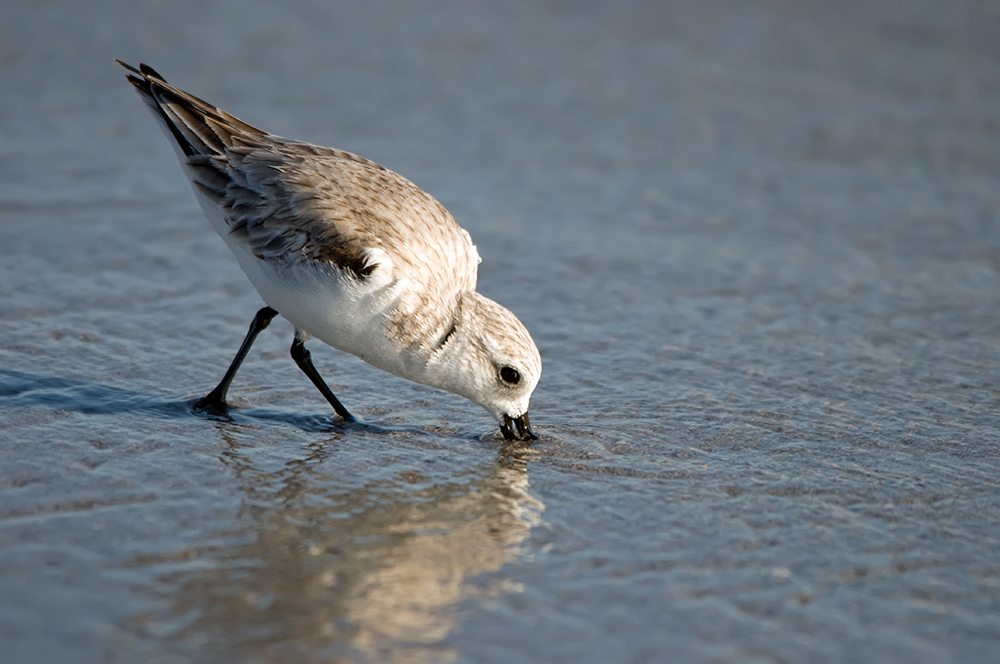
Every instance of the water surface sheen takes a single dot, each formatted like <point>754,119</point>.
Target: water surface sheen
<point>757,244</point>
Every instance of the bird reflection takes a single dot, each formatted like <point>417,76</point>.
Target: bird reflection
<point>333,568</point>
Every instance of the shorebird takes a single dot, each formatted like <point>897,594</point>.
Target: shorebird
<point>350,253</point>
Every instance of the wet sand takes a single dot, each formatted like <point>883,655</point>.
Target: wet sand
<point>757,245</point>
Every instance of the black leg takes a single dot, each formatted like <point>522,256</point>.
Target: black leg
<point>216,399</point>
<point>303,358</point>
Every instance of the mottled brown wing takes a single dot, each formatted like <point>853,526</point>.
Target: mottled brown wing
<point>295,201</point>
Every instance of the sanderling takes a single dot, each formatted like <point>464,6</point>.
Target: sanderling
<point>351,253</point>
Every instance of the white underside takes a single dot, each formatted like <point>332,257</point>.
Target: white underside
<point>343,312</point>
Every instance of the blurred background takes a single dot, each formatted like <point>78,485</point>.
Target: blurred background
<point>757,244</point>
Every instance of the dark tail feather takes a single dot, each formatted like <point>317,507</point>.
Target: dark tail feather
<point>197,127</point>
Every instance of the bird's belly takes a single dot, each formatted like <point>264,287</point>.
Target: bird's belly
<point>339,310</point>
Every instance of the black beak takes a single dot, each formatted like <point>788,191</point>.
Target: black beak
<point>524,432</point>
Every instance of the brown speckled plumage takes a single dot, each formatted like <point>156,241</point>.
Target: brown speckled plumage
<point>294,201</point>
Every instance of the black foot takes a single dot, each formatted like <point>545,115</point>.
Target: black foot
<point>212,404</point>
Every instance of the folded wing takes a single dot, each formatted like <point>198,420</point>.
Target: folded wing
<point>293,201</point>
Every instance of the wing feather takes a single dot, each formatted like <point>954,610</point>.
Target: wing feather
<point>293,201</point>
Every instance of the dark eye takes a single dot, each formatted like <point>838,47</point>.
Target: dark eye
<point>510,375</point>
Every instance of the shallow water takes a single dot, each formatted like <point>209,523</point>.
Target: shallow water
<point>758,248</point>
